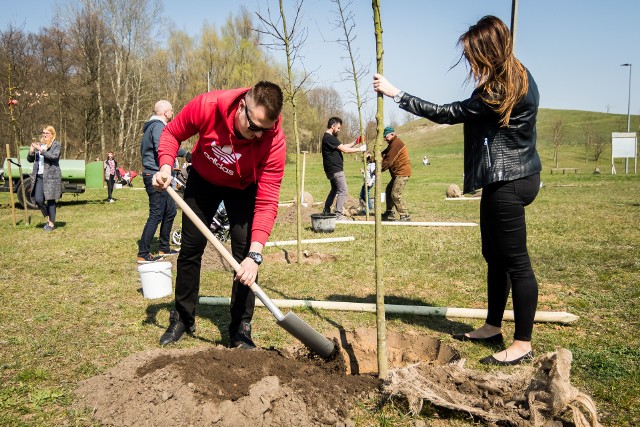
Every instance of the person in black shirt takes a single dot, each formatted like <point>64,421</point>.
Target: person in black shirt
<point>333,164</point>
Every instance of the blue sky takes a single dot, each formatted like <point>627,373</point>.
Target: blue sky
<point>573,48</point>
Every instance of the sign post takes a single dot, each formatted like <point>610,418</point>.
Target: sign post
<point>624,145</point>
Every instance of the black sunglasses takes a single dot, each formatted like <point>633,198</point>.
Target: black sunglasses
<point>252,126</point>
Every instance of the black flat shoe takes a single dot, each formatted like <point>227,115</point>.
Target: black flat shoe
<point>494,339</point>
<point>490,360</point>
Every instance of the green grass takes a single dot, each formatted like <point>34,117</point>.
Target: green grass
<point>72,308</point>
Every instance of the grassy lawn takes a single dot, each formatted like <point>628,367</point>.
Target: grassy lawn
<point>72,306</point>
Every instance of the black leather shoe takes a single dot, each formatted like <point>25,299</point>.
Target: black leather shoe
<point>176,329</point>
<point>490,360</point>
<point>242,338</point>
<point>494,339</point>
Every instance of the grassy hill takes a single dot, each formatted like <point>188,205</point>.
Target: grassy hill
<point>443,145</point>
<point>437,141</point>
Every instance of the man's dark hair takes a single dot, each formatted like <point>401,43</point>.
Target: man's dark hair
<point>334,121</point>
<point>267,95</point>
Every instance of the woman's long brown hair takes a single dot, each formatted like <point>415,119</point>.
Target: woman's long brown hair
<point>502,79</point>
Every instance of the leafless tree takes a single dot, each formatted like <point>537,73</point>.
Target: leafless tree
<point>16,68</point>
<point>90,38</point>
<point>588,137</point>
<point>290,40</point>
<point>131,31</point>
<point>325,101</point>
<point>559,132</point>
<point>355,71</point>
<point>599,144</point>
<point>62,82</point>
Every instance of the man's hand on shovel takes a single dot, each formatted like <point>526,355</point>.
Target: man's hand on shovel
<point>162,179</point>
<point>248,268</point>
<point>248,272</point>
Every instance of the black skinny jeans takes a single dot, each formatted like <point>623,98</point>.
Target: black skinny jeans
<point>204,198</point>
<point>47,207</point>
<point>110,183</point>
<point>504,247</point>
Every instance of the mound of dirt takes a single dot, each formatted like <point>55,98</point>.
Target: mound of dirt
<point>289,214</point>
<point>217,386</point>
<point>223,387</point>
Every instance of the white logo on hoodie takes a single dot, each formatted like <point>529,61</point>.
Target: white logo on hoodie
<point>224,154</point>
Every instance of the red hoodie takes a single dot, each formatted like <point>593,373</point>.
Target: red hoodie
<point>223,159</point>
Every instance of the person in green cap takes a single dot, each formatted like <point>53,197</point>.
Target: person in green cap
<point>395,159</point>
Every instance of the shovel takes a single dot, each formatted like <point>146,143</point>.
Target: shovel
<point>289,322</point>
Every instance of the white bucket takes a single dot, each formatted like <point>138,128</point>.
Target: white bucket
<point>156,279</point>
<point>383,197</point>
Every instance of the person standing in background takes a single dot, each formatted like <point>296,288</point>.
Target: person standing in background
<point>395,159</point>
<point>333,164</point>
<point>162,208</point>
<point>46,175</point>
<point>369,180</point>
<point>110,172</point>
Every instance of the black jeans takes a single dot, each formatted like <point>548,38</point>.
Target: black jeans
<point>504,247</point>
<point>162,210</point>
<point>204,198</point>
<point>110,183</point>
<point>47,207</point>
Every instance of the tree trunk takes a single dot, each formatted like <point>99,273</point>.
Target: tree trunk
<point>380,314</point>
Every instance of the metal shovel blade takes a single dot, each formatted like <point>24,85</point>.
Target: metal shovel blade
<point>307,335</point>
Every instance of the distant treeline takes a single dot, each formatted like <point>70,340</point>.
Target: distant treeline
<point>97,70</point>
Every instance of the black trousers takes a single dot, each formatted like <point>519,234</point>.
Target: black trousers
<point>110,183</point>
<point>47,207</point>
<point>504,247</point>
<point>162,211</point>
<point>204,198</point>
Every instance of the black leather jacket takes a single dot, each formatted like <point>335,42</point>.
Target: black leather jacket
<point>491,153</point>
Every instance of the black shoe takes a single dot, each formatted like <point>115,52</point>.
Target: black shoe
<point>170,252</point>
<point>494,339</point>
<point>176,329</point>
<point>405,218</point>
<point>242,338</point>
<point>387,216</point>
<point>149,258</point>
<point>490,360</point>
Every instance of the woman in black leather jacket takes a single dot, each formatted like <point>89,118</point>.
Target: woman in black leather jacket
<point>500,157</point>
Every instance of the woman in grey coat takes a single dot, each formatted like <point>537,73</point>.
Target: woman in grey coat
<point>46,177</point>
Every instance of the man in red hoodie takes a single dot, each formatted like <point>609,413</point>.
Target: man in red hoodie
<point>239,158</point>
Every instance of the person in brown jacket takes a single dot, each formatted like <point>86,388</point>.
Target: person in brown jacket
<point>395,158</point>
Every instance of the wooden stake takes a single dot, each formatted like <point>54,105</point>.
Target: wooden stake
<point>22,190</point>
<point>13,207</point>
